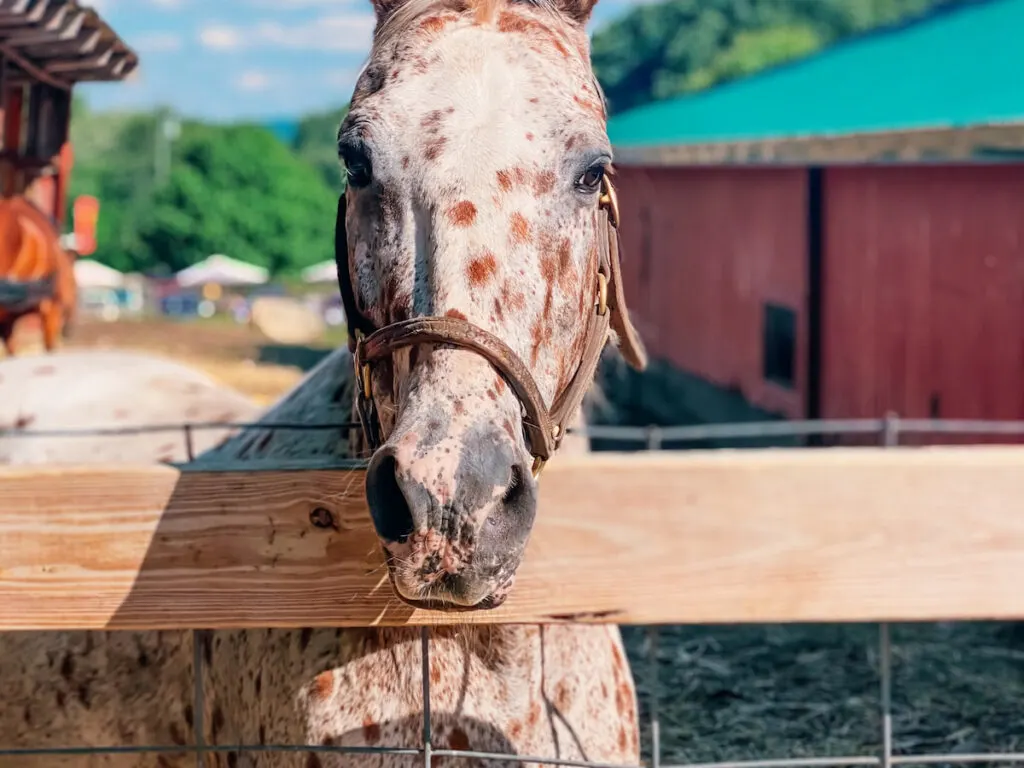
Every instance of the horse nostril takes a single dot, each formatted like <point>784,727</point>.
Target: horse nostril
<point>516,487</point>
<point>389,507</point>
<point>510,522</point>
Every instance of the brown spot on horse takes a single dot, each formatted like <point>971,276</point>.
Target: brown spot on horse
<point>592,107</point>
<point>371,732</point>
<point>462,214</point>
<point>562,698</point>
<point>544,182</point>
<point>511,178</point>
<point>434,148</point>
<point>482,269</point>
<point>435,24</point>
<point>519,229</point>
<point>323,685</point>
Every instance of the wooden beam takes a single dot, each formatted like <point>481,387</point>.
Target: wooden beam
<point>31,69</point>
<point>704,537</point>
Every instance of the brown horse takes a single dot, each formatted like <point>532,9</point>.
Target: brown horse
<point>36,274</point>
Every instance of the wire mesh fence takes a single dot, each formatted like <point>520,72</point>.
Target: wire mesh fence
<point>653,691</point>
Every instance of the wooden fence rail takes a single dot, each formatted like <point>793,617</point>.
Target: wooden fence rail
<point>695,537</point>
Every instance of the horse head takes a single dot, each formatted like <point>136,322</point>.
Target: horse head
<point>478,260</point>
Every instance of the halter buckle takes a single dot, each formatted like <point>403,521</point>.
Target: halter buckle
<point>362,370</point>
<point>602,294</point>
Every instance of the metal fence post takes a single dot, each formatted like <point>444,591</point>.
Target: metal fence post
<point>885,679</point>
<point>198,697</point>
<point>652,686</point>
<point>890,439</point>
<point>425,646</point>
<point>891,430</point>
<point>190,451</point>
<point>653,438</point>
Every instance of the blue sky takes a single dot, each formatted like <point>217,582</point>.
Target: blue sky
<point>245,59</point>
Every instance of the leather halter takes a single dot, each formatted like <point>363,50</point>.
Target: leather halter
<point>544,427</point>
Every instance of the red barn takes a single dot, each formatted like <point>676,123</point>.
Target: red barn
<point>838,237</point>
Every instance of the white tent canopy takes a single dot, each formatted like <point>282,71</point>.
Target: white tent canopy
<point>222,270</point>
<point>323,272</point>
<point>92,274</point>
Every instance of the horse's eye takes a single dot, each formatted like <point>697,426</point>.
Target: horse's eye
<point>591,179</point>
<point>357,164</point>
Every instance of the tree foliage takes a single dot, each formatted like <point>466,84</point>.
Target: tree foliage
<point>658,51</point>
<point>233,189</point>
<point>316,142</point>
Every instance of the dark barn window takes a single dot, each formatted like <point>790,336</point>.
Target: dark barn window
<point>779,345</point>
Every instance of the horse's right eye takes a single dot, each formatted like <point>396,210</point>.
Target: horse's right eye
<point>358,169</point>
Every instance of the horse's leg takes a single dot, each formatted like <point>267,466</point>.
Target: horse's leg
<point>7,335</point>
<point>52,317</point>
<point>68,324</point>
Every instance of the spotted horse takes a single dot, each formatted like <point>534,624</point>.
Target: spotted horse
<point>478,263</point>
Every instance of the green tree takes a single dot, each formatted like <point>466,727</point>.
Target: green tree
<point>658,51</point>
<point>231,189</point>
<point>316,142</point>
<point>749,52</point>
<point>114,160</point>
<point>238,190</point>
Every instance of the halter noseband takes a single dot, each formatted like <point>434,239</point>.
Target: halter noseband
<point>544,428</point>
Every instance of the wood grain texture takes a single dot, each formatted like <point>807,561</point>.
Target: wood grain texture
<point>755,536</point>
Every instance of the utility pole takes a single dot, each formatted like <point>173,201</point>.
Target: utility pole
<point>167,131</point>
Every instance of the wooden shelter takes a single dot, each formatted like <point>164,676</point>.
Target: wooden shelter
<point>46,47</point>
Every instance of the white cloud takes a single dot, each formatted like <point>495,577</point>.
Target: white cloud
<point>220,37</point>
<point>253,80</point>
<point>157,42</point>
<point>338,32</point>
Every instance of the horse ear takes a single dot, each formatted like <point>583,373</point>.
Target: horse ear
<point>384,8</point>
<point>577,10</point>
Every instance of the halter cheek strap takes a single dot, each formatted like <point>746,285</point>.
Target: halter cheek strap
<point>544,428</point>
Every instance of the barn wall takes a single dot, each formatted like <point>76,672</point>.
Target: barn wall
<point>703,250</point>
<point>923,296</point>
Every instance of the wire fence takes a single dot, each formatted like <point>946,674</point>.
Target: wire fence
<point>888,431</point>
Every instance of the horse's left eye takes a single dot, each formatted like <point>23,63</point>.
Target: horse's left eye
<point>591,179</point>
<point>358,168</point>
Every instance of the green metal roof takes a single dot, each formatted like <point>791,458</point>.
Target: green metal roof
<point>956,69</point>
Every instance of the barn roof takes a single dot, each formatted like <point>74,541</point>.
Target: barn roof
<point>951,81</point>
<point>60,42</point>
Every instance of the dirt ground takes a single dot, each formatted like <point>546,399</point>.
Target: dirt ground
<point>233,354</point>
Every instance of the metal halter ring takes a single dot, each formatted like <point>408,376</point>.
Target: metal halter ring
<point>609,201</point>
<point>538,462</point>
